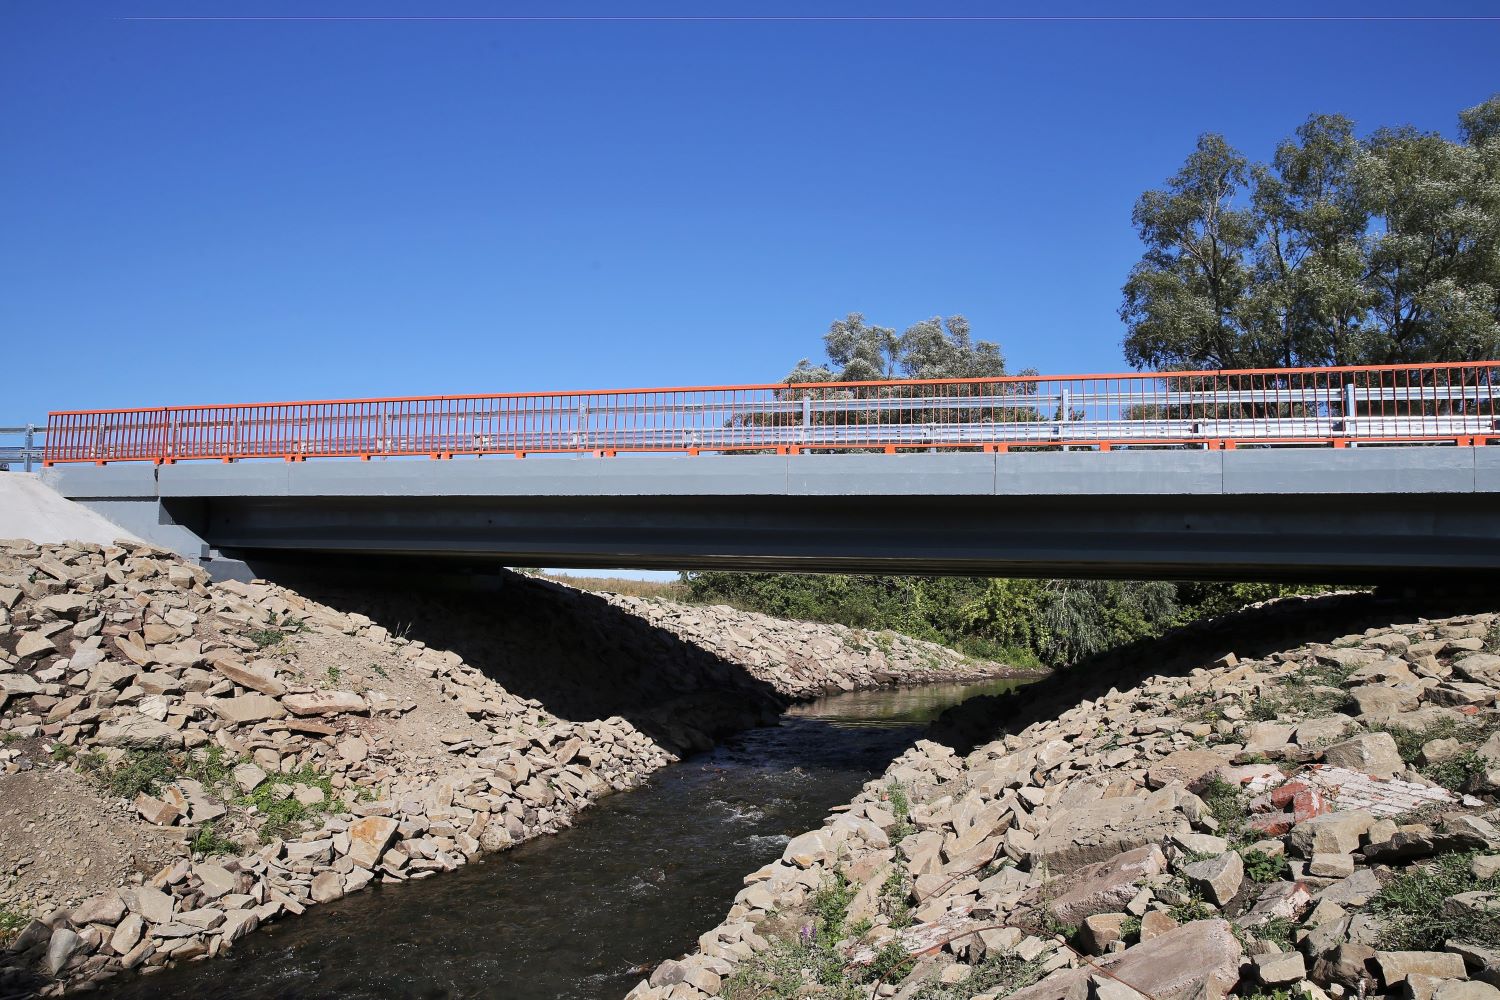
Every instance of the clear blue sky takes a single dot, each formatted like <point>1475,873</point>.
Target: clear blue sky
<point>215,211</point>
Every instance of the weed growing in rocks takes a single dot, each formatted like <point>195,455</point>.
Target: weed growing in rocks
<point>1455,772</point>
<point>283,812</point>
<point>1227,804</point>
<point>208,842</point>
<point>1193,907</point>
<point>1412,904</point>
<point>997,975</point>
<point>11,924</point>
<point>1261,993</point>
<point>895,895</point>
<point>1315,690</point>
<point>891,964</point>
<point>277,632</point>
<point>779,970</point>
<point>901,809</point>
<point>62,753</point>
<point>830,907</point>
<point>141,771</point>
<point>1279,931</point>
<point>777,974</point>
<point>1262,867</point>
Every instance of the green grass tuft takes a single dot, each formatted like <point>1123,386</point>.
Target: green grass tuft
<point>1412,905</point>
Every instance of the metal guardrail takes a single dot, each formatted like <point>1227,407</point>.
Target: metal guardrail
<point>1453,403</point>
<point>28,454</point>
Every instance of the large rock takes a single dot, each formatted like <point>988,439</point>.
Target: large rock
<point>34,644</point>
<point>138,732</point>
<point>1199,960</point>
<point>1194,768</point>
<point>128,934</point>
<point>1280,968</point>
<point>1395,966</point>
<point>325,703</point>
<point>248,708</point>
<point>1218,878</point>
<point>105,909</point>
<point>368,839</point>
<point>217,880</point>
<point>1331,833</point>
<point>327,886</point>
<point>1372,753</point>
<point>1376,702</point>
<point>157,811</point>
<point>1106,886</point>
<point>259,676</point>
<point>1482,668</point>
<point>103,674</point>
<point>62,947</point>
<point>1100,830</point>
<point>1321,732</point>
<point>153,904</point>
<point>808,849</point>
<point>69,606</point>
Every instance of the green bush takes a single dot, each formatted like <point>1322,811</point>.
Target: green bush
<point>208,842</point>
<point>142,771</point>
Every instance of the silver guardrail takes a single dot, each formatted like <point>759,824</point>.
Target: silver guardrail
<point>26,452</point>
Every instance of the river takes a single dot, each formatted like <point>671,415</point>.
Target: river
<point>636,879</point>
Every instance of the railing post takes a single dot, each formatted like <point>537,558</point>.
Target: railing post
<point>1062,416</point>
<point>1348,409</point>
<point>30,439</point>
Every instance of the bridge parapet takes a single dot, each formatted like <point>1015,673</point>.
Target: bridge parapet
<point>1442,403</point>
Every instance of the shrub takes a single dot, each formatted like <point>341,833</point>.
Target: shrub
<point>1262,867</point>
<point>208,842</point>
<point>142,771</point>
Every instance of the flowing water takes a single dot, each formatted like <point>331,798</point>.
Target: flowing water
<point>636,879</point>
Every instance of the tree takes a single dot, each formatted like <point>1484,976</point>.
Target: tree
<point>1307,298</point>
<point>1431,256</point>
<point>1186,301</point>
<point>1339,251</point>
<point>934,348</point>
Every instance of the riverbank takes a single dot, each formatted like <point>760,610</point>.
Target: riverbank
<point>1313,819</point>
<point>573,916</point>
<point>186,761</point>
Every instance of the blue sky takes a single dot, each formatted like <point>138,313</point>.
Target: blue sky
<point>218,211</point>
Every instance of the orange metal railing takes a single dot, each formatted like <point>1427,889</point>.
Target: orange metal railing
<point>1454,403</point>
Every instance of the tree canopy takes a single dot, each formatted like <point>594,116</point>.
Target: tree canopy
<point>933,348</point>
<point>1340,250</point>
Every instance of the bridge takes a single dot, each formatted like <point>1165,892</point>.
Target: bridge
<point>1355,473</point>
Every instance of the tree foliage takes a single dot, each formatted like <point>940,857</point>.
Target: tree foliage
<point>1340,250</point>
<point>935,348</point>
<point>1024,622</point>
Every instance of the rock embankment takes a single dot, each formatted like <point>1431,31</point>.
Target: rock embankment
<point>1320,821</point>
<point>803,659</point>
<point>182,761</point>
